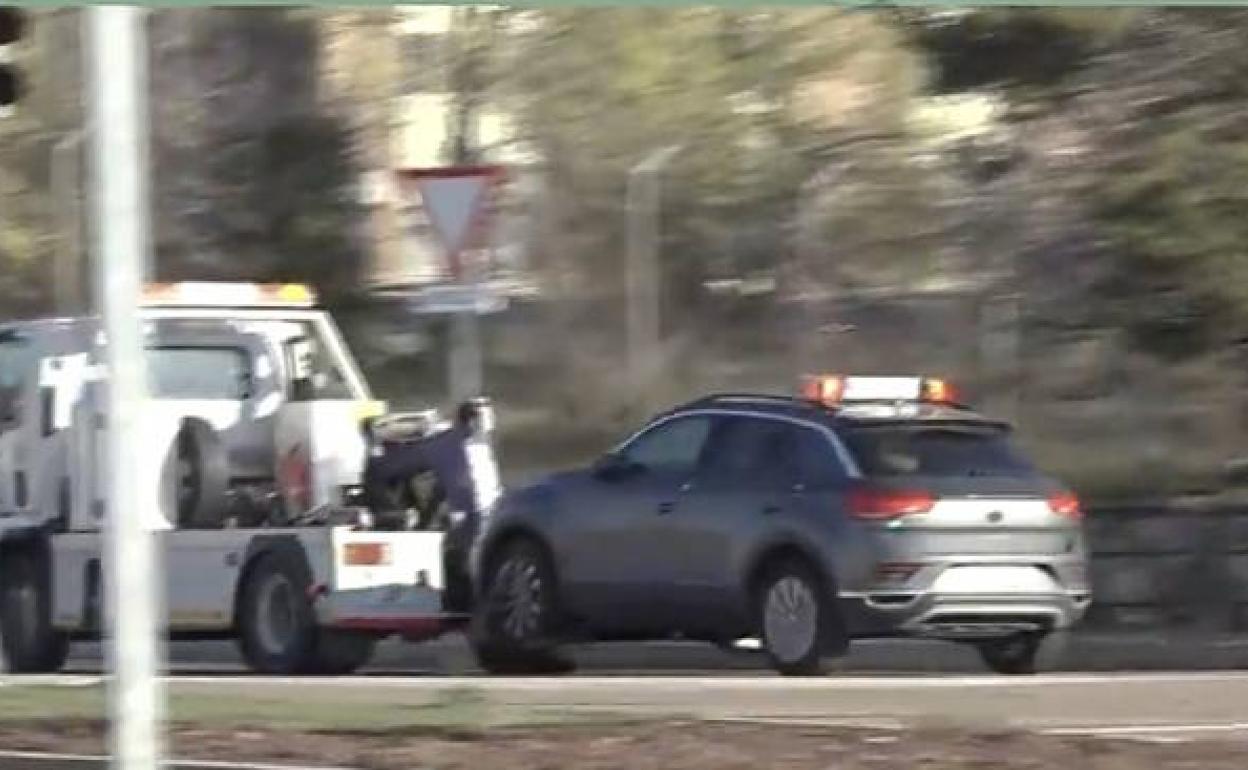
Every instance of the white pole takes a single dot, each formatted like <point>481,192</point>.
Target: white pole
<point>119,124</point>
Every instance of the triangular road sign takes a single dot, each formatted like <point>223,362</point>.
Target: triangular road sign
<point>454,199</point>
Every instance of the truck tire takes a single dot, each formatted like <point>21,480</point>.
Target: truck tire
<point>31,644</point>
<point>277,630</point>
<point>512,627</point>
<point>203,475</point>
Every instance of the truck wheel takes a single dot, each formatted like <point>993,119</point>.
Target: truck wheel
<point>277,627</point>
<point>797,619</point>
<point>1015,655</point>
<point>342,652</point>
<point>31,644</point>
<point>512,628</point>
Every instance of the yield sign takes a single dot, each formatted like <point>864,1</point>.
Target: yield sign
<point>455,199</point>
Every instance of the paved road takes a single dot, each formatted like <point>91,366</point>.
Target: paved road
<point>1084,652</point>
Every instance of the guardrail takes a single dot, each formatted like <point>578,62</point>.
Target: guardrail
<point>1164,567</point>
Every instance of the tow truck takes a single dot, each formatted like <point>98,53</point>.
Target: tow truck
<point>255,454</point>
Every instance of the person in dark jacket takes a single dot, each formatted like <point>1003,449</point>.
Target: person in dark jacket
<point>462,460</point>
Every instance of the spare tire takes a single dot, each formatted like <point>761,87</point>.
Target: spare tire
<point>203,475</point>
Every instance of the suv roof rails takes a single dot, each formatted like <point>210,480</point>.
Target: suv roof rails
<point>770,398</point>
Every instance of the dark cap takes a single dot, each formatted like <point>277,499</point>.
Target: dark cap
<point>467,412</point>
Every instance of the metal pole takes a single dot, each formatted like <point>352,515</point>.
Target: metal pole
<point>466,359</point>
<point>642,202</point>
<point>119,123</point>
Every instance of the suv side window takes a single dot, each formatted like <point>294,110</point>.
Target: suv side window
<point>754,450</point>
<point>675,445</point>
<point>819,466</point>
<point>778,453</point>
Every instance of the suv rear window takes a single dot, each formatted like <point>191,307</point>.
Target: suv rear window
<point>917,450</point>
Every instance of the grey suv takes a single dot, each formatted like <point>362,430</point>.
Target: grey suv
<point>796,522</point>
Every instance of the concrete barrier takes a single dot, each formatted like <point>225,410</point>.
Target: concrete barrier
<point>1169,567</point>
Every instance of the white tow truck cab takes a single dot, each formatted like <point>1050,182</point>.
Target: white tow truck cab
<point>255,456</point>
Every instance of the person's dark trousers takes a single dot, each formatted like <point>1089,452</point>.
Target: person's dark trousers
<point>457,596</point>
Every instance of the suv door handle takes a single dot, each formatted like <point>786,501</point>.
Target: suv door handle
<point>771,510</point>
<point>666,508</point>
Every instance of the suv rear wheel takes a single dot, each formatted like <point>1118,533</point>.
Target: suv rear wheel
<point>1013,655</point>
<point>797,619</point>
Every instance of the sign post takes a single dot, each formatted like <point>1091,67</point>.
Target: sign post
<point>119,164</point>
<point>456,201</point>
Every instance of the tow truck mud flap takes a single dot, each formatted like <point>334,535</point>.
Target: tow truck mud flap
<point>387,582</point>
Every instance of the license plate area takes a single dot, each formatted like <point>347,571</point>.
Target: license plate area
<point>995,580</point>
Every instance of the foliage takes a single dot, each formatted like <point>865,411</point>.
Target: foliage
<point>599,90</point>
<point>1172,186</point>
<point>254,177</point>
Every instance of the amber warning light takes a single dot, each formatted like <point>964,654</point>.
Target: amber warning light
<point>835,389</point>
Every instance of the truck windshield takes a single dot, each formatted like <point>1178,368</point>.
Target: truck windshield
<point>920,450</point>
<point>232,358</point>
<point>213,373</point>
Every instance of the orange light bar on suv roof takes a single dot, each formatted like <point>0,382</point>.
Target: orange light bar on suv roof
<point>835,389</point>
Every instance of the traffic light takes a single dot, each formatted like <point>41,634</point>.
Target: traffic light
<point>12,26</point>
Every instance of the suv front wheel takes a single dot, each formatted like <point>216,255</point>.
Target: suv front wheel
<point>513,625</point>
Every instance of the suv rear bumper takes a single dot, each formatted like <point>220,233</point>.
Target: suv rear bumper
<point>961,616</point>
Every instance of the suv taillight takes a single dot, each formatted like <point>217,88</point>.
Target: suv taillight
<point>876,504</point>
<point>1065,504</point>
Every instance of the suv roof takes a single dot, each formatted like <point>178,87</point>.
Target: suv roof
<point>861,412</point>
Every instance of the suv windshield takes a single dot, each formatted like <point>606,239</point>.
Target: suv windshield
<point>919,450</point>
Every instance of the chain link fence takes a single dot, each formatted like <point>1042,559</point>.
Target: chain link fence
<point>1112,423</point>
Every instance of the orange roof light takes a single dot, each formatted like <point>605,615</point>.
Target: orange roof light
<point>939,391</point>
<point>826,389</point>
<point>209,294</point>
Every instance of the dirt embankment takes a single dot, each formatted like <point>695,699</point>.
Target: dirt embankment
<point>669,746</point>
